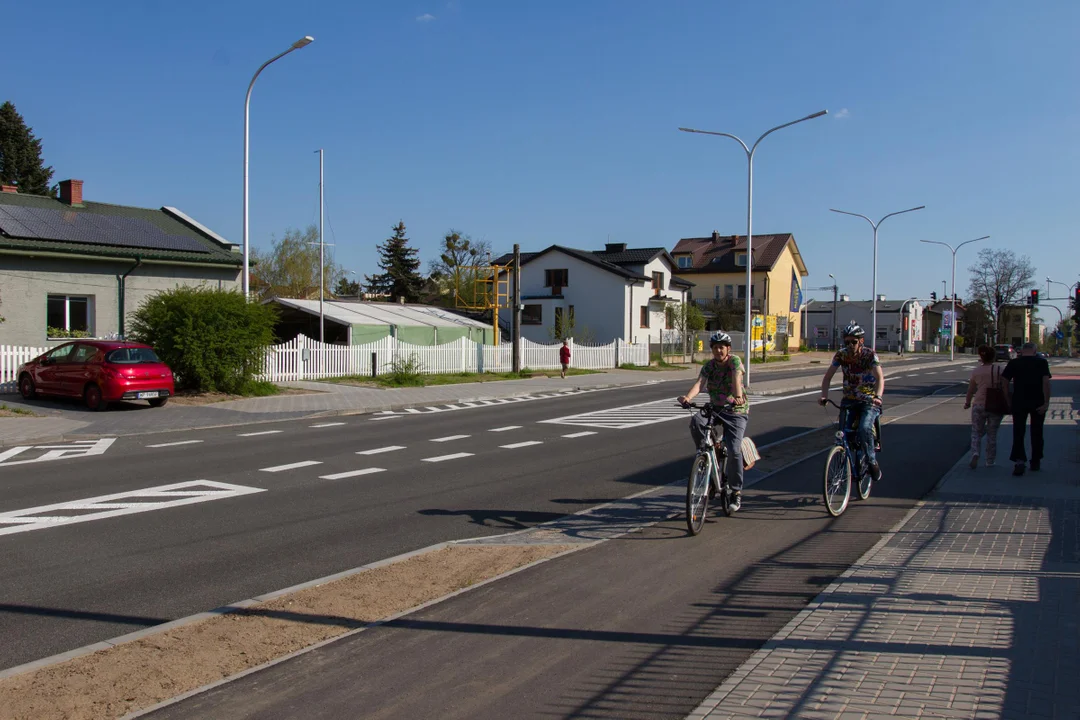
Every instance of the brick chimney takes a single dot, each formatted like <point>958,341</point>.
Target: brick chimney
<point>715,236</point>
<point>8,188</point>
<point>71,192</point>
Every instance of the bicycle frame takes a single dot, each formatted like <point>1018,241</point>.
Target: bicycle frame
<point>847,437</point>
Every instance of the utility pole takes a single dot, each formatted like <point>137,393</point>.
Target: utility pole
<point>515,315</point>
<point>322,261</point>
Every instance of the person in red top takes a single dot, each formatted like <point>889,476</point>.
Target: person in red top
<point>564,357</point>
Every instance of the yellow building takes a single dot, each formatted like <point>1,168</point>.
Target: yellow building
<point>1015,325</point>
<point>717,267</point>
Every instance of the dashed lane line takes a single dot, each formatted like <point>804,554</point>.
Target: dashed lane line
<point>527,443</point>
<point>352,473</point>
<point>322,425</point>
<point>174,444</point>
<point>579,434</point>
<point>291,466</point>
<point>443,458</point>
<point>376,451</point>
<point>263,432</point>
<point>448,438</point>
<point>504,429</point>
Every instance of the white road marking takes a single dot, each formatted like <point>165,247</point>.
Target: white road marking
<point>376,451</point>
<point>527,443</point>
<point>387,417</point>
<point>174,444</point>
<point>79,448</point>
<point>322,425</point>
<point>106,506</point>
<point>580,434</point>
<point>291,466</point>
<point>351,473</point>
<point>448,438</point>
<point>442,458</point>
<point>504,429</point>
<point>263,432</point>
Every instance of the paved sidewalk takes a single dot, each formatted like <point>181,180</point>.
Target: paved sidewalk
<point>69,420</point>
<point>968,610</point>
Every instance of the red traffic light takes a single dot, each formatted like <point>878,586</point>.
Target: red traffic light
<point>1034,298</point>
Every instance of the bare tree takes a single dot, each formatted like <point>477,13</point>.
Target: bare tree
<point>999,278</point>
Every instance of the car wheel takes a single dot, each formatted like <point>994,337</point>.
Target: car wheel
<point>26,387</point>
<point>159,402</point>
<point>94,399</point>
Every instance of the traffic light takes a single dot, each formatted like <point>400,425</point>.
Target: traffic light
<point>933,296</point>
<point>1033,299</point>
<point>1076,299</point>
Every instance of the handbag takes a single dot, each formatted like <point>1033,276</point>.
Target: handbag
<point>996,402</point>
<point>750,454</point>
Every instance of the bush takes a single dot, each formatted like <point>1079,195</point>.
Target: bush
<point>214,340</point>
<point>407,370</point>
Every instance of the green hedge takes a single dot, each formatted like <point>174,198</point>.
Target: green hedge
<point>214,340</point>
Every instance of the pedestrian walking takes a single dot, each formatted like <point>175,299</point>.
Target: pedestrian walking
<point>988,402</point>
<point>1030,397</point>
<point>564,357</point>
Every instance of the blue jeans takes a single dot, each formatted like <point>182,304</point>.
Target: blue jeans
<point>861,416</point>
<point>734,429</point>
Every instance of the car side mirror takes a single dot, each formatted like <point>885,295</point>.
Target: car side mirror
<point>45,361</point>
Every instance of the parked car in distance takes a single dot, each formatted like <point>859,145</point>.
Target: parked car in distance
<point>99,372</point>
<point>1004,353</point>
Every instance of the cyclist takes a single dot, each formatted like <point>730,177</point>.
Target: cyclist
<point>864,385</point>
<point>722,378</point>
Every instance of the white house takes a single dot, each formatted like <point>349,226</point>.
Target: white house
<point>898,321</point>
<point>598,295</point>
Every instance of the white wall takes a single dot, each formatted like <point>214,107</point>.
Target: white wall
<point>598,297</point>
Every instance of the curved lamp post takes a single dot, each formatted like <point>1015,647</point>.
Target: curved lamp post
<point>952,333</point>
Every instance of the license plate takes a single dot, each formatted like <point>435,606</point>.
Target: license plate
<point>144,395</point>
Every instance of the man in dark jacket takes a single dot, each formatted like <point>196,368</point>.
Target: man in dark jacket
<point>1029,378</point>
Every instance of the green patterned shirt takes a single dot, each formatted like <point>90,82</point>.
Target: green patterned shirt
<point>718,379</point>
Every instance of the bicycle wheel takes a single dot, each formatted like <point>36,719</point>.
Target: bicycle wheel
<point>837,481</point>
<point>865,482</point>
<point>697,494</point>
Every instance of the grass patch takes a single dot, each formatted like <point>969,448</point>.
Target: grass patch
<point>659,367</point>
<point>394,380</point>
<point>770,359</point>
<point>6,411</point>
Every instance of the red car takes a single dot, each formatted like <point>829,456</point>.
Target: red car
<point>100,372</point>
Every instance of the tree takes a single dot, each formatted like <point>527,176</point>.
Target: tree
<point>730,314</point>
<point>687,318</point>
<point>214,340</point>
<point>977,324</point>
<point>565,326</point>
<point>291,267</point>
<point>347,288</point>
<point>20,155</point>
<point>999,278</point>
<point>400,264</point>
<point>459,268</point>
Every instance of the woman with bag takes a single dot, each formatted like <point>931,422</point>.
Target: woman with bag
<point>989,404</point>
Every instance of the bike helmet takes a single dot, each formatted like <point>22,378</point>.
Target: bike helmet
<point>853,330</point>
<point>719,338</point>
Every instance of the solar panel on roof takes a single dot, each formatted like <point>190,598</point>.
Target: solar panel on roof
<point>92,229</point>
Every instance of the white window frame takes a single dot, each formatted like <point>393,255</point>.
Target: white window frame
<point>67,313</point>
<point>685,261</point>
<point>740,259</point>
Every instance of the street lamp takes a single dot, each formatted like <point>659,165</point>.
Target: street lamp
<point>873,329</point>
<point>952,332</point>
<point>749,216</point>
<point>302,42</point>
<point>1069,289</point>
<point>833,344</point>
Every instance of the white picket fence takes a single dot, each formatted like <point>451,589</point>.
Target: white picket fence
<point>11,357</point>
<point>305,359</point>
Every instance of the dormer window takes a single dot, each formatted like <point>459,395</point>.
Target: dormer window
<point>740,259</point>
<point>685,261</point>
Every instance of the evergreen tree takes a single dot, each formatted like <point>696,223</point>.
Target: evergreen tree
<point>400,264</point>
<point>347,288</point>
<point>20,155</point>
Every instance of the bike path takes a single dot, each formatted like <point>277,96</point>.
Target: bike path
<point>645,625</point>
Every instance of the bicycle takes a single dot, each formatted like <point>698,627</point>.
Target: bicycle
<point>708,476</point>
<point>845,457</point>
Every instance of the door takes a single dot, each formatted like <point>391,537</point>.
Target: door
<point>76,371</point>
<point>48,375</point>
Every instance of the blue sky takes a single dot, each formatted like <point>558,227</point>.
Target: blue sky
<point>555,122</point>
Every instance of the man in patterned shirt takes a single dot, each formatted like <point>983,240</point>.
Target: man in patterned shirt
<point>864,384</point>
<point>722,378</point>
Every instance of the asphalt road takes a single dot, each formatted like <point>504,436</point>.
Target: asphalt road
<point>66,586</point>
<point>642,627</point>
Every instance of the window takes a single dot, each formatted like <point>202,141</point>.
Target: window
<point>669,319</point>
<point>740,259</point>
<point>742,292</point>
<point>83,354</point>
<point>132,356</point>
<point>729,292</point>
<point>557,279</point>
<point>532,315</point>
<point>686,261</point>
<point>644,316</point>
<point>657,283</point>
<point>68,316</point>
<point>716,292</point>
<point>61,354</point>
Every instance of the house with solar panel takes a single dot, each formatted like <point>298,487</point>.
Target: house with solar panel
<point>73,268</point>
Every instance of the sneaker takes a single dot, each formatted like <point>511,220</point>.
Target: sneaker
<point>1018,469</point>
<point>736,501</point>
<point>875,473</point>
<point>974,461</point>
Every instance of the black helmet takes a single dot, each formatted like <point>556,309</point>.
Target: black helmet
<point>853,330</point>
<point>719,338</point>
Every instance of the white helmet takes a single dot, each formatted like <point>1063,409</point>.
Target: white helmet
<point>719,338</point>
